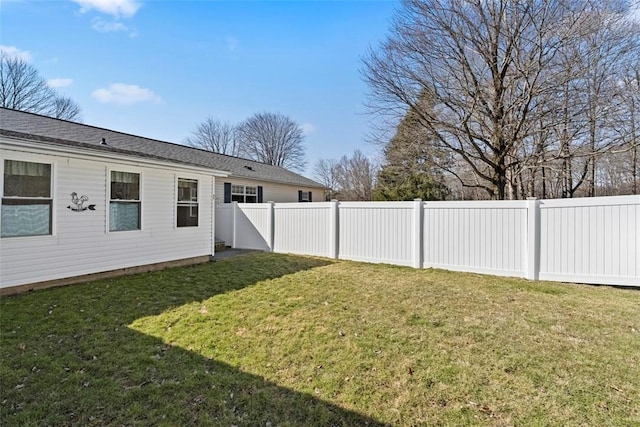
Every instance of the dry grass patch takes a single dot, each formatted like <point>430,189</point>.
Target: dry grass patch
<point>296,341</point>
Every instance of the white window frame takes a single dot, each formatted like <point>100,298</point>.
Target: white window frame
<point>109,199</point>
<point>305,196</point>
<point>244,193</point>
<point>51,198</point>
<point>193,203</point>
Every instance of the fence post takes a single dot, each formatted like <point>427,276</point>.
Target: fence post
<point>417,233</point>
<point>271,230</point>
<point>234,209</point>
<point>533,238</point>
<point>335,229</point>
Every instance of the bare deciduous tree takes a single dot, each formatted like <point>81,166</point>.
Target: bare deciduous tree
<point>619,171</point>
<point>350,178</point>
<point>629,128</point>
<point>22,88</point>
<point>607,43</point>
<point>66,109</point>
<point>356,177</point>
<point>470,58</point>
<point>500,89</point>
<point>325,171</point>
<point>274,139</point>
<point>214,135</point>
<point>578,144</point>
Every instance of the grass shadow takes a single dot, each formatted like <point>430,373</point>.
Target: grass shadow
<point>68,356</point>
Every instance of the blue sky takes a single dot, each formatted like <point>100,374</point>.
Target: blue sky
<point>157,68</point>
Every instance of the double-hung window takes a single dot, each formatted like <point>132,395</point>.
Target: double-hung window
<point>244,194</point>
<point>26,200</point>
<point>187,210</point>
<point>125,204</point>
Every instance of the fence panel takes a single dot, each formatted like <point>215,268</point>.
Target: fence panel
<point>224,223</point>
<point>376,232</point>
<point>591,240</point>
<point>253,226</point>
<point>304,228</point>
<point>483,237</point>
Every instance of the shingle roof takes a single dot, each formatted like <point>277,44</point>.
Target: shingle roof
<point>46,129</point>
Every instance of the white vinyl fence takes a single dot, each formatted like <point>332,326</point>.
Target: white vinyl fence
<point>483,237</point>
<point>589,240</point>
<point>305,228</point>
<point>592,241</point>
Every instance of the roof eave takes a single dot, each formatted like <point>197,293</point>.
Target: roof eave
<point>275,181</point>
<point>70,147</point>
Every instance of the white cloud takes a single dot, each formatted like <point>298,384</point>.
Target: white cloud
<point>14,52</point>
<point>124,94</point>
<point>117,8</point>
<point>106,27</point>
<point>103,26</point>
<point>59,82</point>
<point>307,128</point>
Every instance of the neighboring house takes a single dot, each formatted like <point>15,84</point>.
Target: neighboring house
<point>79,200</point>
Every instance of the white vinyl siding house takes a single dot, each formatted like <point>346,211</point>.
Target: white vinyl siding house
<point>79,200</point>
<point>82,238</point>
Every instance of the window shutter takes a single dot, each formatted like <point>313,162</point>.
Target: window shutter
<point>310,199</point>
<point>227,192</point>
<point>259,193</point>
<point>299,195</point>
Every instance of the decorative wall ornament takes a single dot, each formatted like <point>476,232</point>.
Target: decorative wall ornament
<point>78,202</point>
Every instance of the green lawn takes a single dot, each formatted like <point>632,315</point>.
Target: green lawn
<point>274,340</point>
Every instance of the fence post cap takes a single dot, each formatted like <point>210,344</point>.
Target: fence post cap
<point>417,200</point>
<point>532,198</point>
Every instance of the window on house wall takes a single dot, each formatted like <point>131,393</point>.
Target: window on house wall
<point>125,204</point>
<point>304,196</point>
<point>187,210</point>
<point>244,194</point>
<point>26,200</point>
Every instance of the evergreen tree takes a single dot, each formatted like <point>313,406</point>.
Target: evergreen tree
<point>411,164</point>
